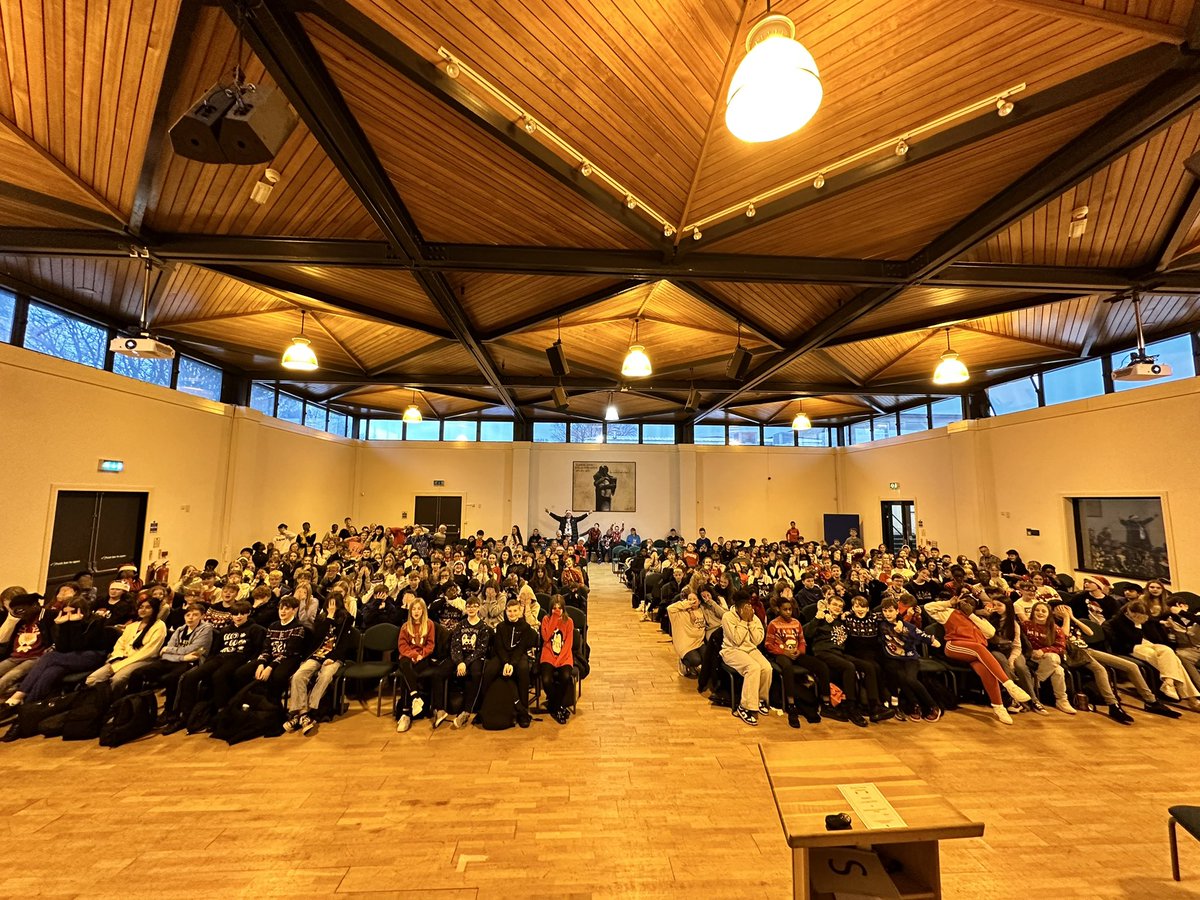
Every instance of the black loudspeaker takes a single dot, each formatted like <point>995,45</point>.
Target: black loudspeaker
<point>197,133</point>
<point>256,132</point>
<point>739,363</point>
<point>558,360</point>
<point>560,398</point>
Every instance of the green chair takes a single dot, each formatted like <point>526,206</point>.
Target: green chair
<point>382,639</point>
<point>1189,818</point>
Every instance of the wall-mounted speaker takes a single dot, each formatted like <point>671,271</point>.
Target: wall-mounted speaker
<point>560,398</point>
<point>693,400</point>
<point>197,134</point>
<point>558,360</point>
<point>255,133</point>
<point>739,363</point>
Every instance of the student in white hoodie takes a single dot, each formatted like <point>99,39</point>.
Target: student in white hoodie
<point>743,633</point>
<point>136,648</point>
<point>687,633</point>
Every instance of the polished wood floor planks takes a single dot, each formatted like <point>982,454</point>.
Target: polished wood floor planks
<point>648,792</point>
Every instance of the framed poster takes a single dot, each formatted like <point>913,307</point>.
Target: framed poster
<point>604,487</point>
<point>1121,536</point>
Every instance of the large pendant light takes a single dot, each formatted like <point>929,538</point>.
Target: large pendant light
<point>299,355</point>
<point>951,369</point>
<point>637,363</point>
<point>412,413</point>
<point>776,88</point>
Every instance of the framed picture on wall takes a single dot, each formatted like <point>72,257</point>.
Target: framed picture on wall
<point>604,487</point>
<point>1121,536</point>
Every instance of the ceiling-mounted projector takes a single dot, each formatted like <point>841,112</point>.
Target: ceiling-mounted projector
<point>1142,368</point>
<point>143,347</point>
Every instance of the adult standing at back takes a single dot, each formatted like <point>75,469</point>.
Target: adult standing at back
<point>568,524</point>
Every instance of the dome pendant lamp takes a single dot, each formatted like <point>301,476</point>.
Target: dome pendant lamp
<point>802,422</point>
<point>951,369</point>
<point>611,414</point>
<point>412,413</point>
<point>637,363</point>
<point>776,88</point>
<point>299,355</point>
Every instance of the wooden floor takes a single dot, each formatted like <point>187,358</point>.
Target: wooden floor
<point>647,792</point>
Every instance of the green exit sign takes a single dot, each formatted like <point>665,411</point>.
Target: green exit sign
<point>112,465</point>
<point>894,485</point>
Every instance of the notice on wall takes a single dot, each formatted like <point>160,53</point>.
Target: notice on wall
<point>871,807</point>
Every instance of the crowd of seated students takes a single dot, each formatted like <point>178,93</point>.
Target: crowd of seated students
<point>286,616</point>
<point>864,634</point>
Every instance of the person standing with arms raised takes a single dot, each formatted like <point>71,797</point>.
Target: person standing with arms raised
<point>568,524</point>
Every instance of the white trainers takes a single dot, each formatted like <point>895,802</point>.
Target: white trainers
<point>461,720</point>
<point>1002,714</point>
<point>1016,692</point>
<point>439,717</point>
<point>1064,706</point>
<point>403,724</point>
<point>418,704</point>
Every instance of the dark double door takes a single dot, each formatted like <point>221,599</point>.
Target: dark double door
<point>431,512</point>
<point>96,530</point>
<point>899,524</point>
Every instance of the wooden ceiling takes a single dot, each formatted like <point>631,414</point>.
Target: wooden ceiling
<point>438,247</point>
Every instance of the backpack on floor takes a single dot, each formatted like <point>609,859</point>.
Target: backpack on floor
<point>498,710</point>
<point>200,718</point>
<point>46,717</point>
<point>84,721</point>
<point>250,714</point>
<point>133,716</point>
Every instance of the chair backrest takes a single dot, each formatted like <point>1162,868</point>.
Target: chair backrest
<point>356,641</point>
<point>578,619</point>
<point>1119,587</point>
<point>1192,600</point>
<point>543,600</point>
<point>383,637</point>
<point>808,613</point>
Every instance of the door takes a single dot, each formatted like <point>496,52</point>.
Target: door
<point>96,530</point>
<point>432,512</point>
<point>899,524</point>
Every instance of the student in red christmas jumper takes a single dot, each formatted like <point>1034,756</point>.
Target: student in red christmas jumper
<point>556,660</point>
<point>421,660</point>
<point>966,641</point>
<point>785,643</point>
<point>25,636</point>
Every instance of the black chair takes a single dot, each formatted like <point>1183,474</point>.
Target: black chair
<point>1189,818</point>
<point>954,670</point>
<point>382,639</point>
<point>1192,600</point>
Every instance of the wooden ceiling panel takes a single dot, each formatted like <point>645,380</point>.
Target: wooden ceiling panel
<point>371,344</point>
<point>896,216</point>
<point>108,286</point>
<point>441,357</point>
<point>813,368</point>
<point>193,293</point>
<point>460,184</point>
<point>82,79</point>
<point>1159,313</point>
<point>1131,207</point>
<point>817,409</point>
<point>589,70</point>
<point>28,167</point>
<point>270,333</point>
<point>311,199</point>
<point>788,310</point>
<point>493,302</point>
<point>888,67</point>
<point>867,360</point>
<point>980,352</point>
<point>1064,324</point>
<point>629,405</point>
<point>917,304</point>
<point>387,290</point>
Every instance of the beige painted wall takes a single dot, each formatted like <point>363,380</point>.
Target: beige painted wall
<point>219,476</point>
<point>216,475</point>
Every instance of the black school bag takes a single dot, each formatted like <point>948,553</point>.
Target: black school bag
<point>250,714</point>
<point>133,716</point>
<point>46,717</point>
<point>85,720</point>
<point>498,710</point>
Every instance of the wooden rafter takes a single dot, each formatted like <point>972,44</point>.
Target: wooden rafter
<point>1162,32</point>
<point>340,343</point>
<point>1033,342</point>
